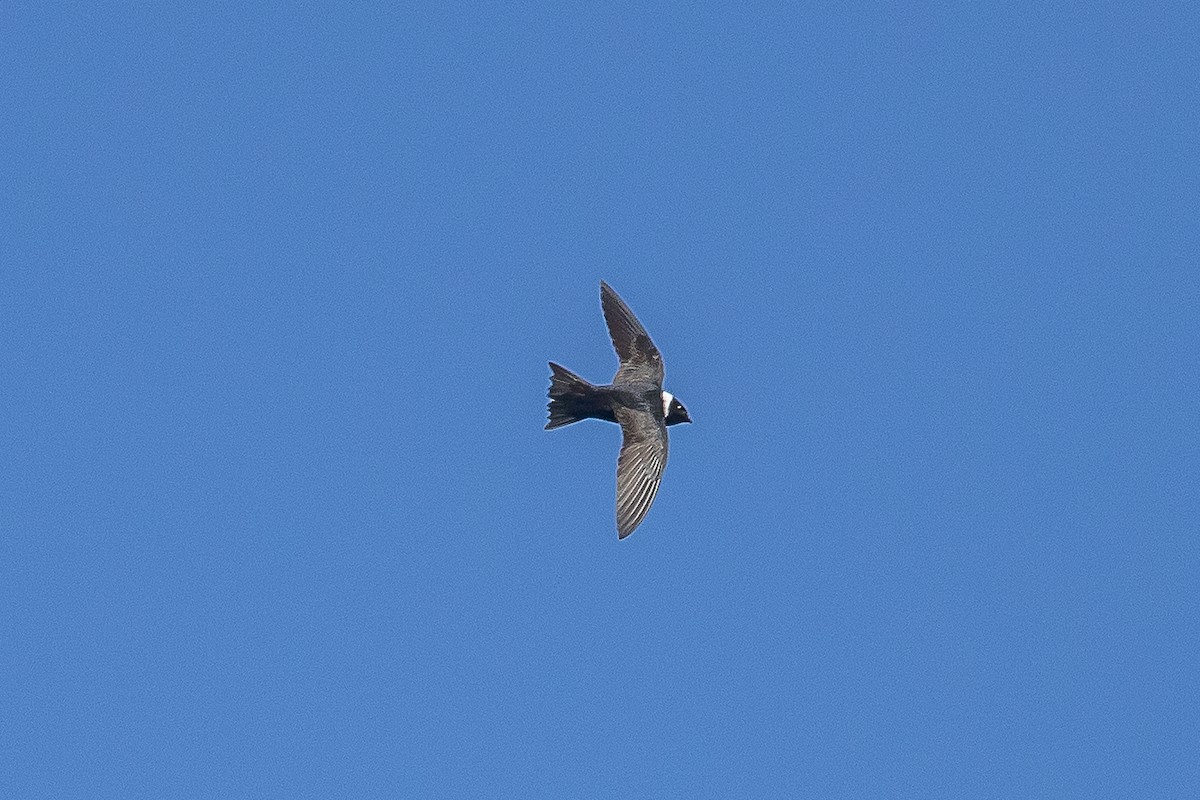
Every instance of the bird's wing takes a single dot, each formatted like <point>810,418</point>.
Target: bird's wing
<point>639,357</point>
<point>639,467</point>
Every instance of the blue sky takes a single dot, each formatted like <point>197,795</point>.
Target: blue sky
<point>278,515</point>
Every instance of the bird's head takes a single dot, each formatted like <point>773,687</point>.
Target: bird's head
<point>673,410</point>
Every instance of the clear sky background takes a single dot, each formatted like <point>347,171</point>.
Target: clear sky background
<point>278,517</point>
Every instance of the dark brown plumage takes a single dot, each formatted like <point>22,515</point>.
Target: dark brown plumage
<point>635,400</point>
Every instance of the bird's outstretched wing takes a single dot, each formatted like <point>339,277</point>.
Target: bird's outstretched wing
<point>639,467</point>
<point>640,360</point>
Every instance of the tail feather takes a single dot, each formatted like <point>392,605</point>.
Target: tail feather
<point>568,397</point>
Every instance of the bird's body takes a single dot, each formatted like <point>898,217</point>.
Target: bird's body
<point>635,400</point>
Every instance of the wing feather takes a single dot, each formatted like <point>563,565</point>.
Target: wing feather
<point>640,359</point>
<point>639,467</point>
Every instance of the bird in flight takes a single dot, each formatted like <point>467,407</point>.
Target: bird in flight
<point>635,400</point>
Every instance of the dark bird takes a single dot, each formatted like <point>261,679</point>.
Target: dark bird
<point>635,400</point>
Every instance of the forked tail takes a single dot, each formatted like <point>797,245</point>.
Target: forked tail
<point>570,397</point>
